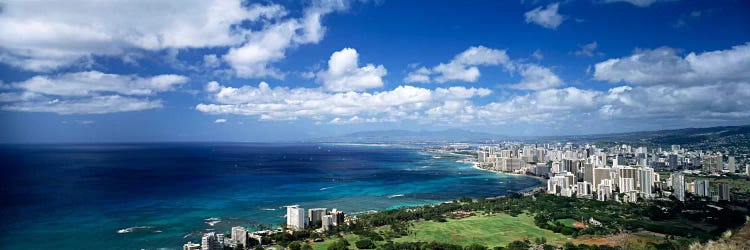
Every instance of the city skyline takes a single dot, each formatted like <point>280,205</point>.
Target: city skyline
<point>273,71</point>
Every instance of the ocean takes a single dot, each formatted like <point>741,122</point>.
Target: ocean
<point>161,195</point>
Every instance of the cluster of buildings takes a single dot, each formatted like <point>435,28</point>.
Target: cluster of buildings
<point>622,172</point>
<point>320,219</point>
<point>239,238</point>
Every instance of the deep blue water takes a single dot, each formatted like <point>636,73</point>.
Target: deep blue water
<point>79,196</point>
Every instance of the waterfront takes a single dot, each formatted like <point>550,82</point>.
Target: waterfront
<point>125,196</point>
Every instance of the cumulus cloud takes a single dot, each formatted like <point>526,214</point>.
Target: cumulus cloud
<point>89,92</point>
<point>665,66</point>
<point>253,58</point>
<point>344,73</point>
<point>281,103</point>
<point>535,77</point>
<point>220,120</point>
<point>547,17</point>
<point>211,61</point>
<point>42,36</point>
<point>463,67</point>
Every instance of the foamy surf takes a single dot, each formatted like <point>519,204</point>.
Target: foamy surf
<point>395,195</point>
<point>212,221</point>
<point>132,229</point>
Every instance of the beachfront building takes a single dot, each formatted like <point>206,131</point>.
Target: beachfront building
<point>210,241</point>
<point>295,217</point>
<point>327,222</point>
<point>191,246</point>
<point>338,217</point>
<point>239,236</point>
<point>314,215</point>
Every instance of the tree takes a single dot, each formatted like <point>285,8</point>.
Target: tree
<point>540,241</point>
<point>295,246</point>
<point>340,244</point>
<point>475,246</point>
<point>365,244</point>
<point>518,245</point>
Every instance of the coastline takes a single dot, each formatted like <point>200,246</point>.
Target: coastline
<point>476,166</point>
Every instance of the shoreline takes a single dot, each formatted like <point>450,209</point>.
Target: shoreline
<point>476,166</point>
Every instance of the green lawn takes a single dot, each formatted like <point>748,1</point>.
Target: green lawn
<point>324,245</point>
<point>567,222</point>
<point>491,231</point>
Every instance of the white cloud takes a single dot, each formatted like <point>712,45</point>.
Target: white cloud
<point>718,101</point>
<point>665,66</point>
<point>86,105</point>
<point>355,119</point>
<point>42,36</point>
<point>535,77</point>
<point>588,50</point>
<point>537,55</point>
<point>403,102</point>
<point>90,92</point>
<point>421,75</point>
<point>211,61</point>
<point>461,68</point>
<point>547,17</point>
<point>220,120</point>
<point>344,73</point>
<point>252,59</point>
<point>94,82</point>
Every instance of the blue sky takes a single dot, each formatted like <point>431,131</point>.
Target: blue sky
<point>234,70</point>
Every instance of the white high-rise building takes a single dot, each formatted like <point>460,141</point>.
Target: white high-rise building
<point>327,222</point>
<point>239,235</point>
<point>314,215</point>
<point>731,164</point>
<point>627,185</point>
<point>295,217</point>
<point>702,188</point>
<point>646,181</point>
<point>210,241</point>
<point>191,246</point>
<point>678,184</point>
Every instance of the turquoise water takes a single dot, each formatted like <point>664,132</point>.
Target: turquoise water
<point>159,196</point>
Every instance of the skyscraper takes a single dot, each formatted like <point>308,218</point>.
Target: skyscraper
<point>338,217</point>
<point>239,235</point>
<point>724,192</point>
<point>678,184</point>
<point>588,172</point>
<point>702,188</point>
<point>711,163</point>
<point>731,164</point>
<point>314,215</point>
<point>672,160</point>
<point>210,242</point>
<point>295,217</point>
<point>326,222</point>
<point>645,181</point>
